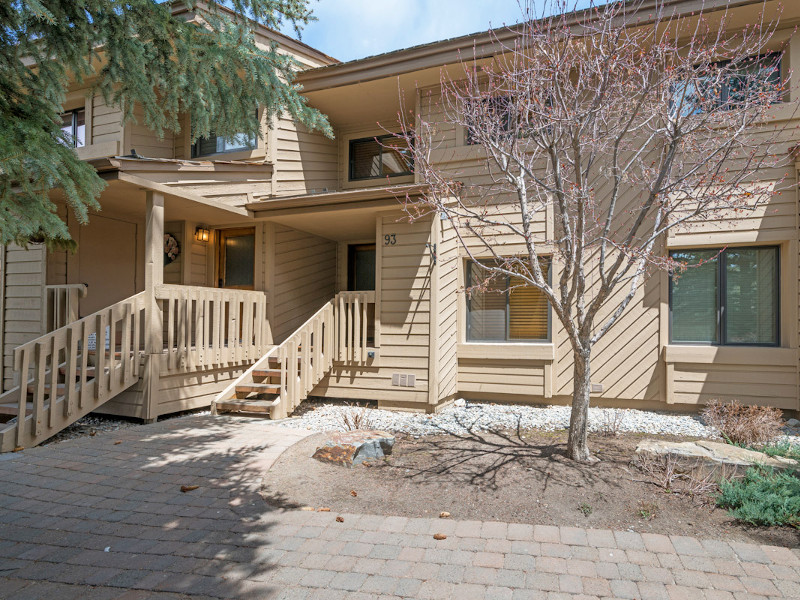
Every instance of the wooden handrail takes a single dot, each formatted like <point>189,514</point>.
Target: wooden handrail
<point>53,369</point>
<point>338,331</point>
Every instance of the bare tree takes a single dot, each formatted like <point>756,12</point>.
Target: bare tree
<point>622,122</point>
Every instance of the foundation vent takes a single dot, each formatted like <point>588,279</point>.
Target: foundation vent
<point>404,379</point>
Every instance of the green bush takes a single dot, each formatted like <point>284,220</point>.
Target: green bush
<point>762,497</point>
<point>782,448</point>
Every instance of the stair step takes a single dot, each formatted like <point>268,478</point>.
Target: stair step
<point>257,388</point>
<point>90,371</point>
<point>12,408</point>
<point>59,389</point>
<point>245,406</point>
<point>263,373</point>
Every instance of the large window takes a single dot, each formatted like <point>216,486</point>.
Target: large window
<point>73,124</point>
<point>218,145</point>
<point>505,310</point>
<point>726,297</point>
<point>755,77</point>
<point>381,156</point>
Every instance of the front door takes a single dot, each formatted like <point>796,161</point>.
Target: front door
<point>360,267</point>
<point>237,257</point>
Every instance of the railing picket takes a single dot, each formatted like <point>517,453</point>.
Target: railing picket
<point>126,355</point>
<point>39,376</point>
<point>136,341</point>
<point>83,398</point>
<point>55,354</point>
<point>100,355</point>
<point>22,359</point>
<point>70,374</point>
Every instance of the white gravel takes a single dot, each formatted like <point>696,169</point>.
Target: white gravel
<point>463,417</point>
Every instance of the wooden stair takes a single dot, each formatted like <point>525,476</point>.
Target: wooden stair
<point>62,379</point>
<point>256,397</point>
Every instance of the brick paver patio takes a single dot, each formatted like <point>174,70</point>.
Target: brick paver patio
<point>103,517</point>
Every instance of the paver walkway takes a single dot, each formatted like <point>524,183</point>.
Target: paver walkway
<point>103,517</point>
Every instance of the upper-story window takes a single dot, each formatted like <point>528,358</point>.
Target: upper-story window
<point>73,124</point>
<point>726,297</point>
<point>494,114</point>
<point>218,145</point>
<point>755,79</point>
<point>378,157</point>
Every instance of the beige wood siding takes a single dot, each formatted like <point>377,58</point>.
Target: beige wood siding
<point>22,317</point>
<point>139,137</point>
<point>404,307</point>
<point>106,122</point>
<point>765,385</point>
<point>447,310</point>
<point>304,278</point>
<point>493,378</point>
<point>305,162</point>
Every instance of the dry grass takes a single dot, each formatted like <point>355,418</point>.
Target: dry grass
<point>356,417</point>
<point>676,476</point>
<point>611,423</point>
<point>746,425</point>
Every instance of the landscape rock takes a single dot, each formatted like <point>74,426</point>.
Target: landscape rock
<point>703,453</point>
<point>355,447</point>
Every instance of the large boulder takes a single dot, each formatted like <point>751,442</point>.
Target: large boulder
<point>709,455</point>
<point>355,447</point>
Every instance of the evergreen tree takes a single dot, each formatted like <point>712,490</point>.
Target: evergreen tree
<point>130,51</point>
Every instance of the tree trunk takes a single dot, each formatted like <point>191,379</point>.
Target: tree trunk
<point>577,448</point>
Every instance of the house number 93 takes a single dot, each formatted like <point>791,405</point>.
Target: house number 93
<point>390,239</point>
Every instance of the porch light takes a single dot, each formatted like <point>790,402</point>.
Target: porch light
<point>201,234</point>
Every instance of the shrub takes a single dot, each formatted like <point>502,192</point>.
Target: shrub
<point>746,425</point>
<point>784,449</point>
<point>356,417</point>
<point>762,497</point>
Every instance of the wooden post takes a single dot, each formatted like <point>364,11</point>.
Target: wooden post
<point>154,325</point>
<point>433,331</point>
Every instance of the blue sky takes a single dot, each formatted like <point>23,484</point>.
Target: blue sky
<point>350,29</point>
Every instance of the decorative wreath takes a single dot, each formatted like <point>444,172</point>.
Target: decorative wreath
<point>172,248</point>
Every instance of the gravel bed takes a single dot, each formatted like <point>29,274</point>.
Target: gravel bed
<point>462,417</point>
<point>91,425</point>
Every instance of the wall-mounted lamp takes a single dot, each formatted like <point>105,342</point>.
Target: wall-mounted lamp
<point>201,234</point>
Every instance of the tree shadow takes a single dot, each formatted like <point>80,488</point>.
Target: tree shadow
<point>108,511</point>
<point>474,456</point>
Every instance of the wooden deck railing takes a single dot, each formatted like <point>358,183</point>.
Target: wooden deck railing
<point>61,304</point>
<point>338,331</point>
<point>58,378</point>
<point>206,328</point>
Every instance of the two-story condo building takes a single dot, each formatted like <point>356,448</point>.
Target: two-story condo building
<point>253,274</point>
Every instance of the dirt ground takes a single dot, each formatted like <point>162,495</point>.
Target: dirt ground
<point>521,478</point>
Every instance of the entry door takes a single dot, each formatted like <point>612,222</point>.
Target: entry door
<point>237,258</point>
<point>107,262</point>
<point>360,267</point>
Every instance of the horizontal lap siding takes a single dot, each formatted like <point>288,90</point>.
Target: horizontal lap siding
<point>405,319</point>
<point>304,279</point>
<point>106,122</point>
<point>304,161</point>
<point>501,377</point>
<point>763,385</point>
<point>24,287</point>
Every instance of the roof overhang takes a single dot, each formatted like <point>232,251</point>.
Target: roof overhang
<point>343,200</point>
<point>475,46</point>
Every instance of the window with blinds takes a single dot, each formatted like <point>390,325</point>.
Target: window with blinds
<point>504,309</point>
<point>219,145</point>
<point>380,156</point>
<point>728,297</point>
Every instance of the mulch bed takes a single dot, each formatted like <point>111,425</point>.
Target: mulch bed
<point>507,476</point>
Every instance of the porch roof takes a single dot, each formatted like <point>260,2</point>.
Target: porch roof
<point>340,216</point>
<point>357,198</point>
<point>123,193</point>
